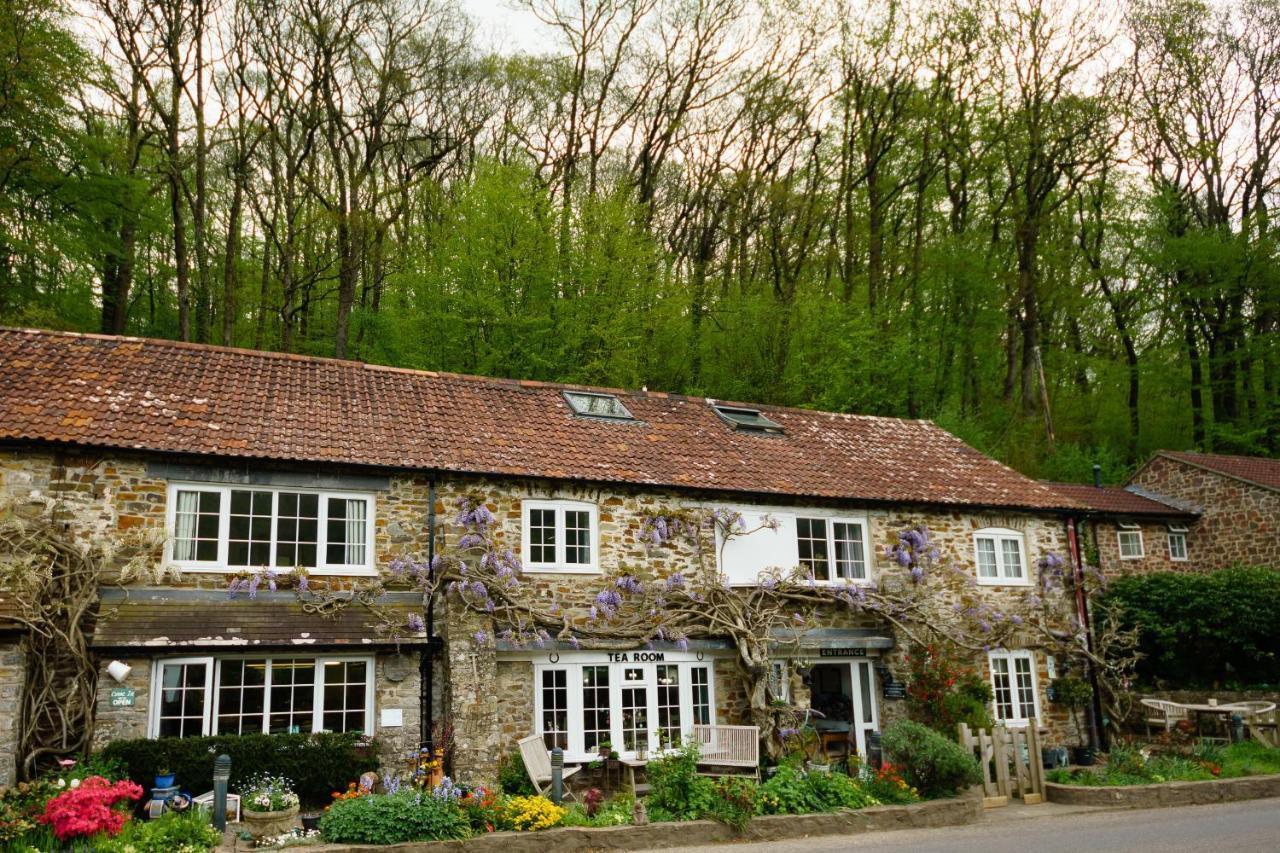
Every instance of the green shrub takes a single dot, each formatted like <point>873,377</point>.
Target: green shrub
<point>1198,630</point>
<point>676,791</point>
<point>944,692</point>
<point>786,792</point>
<point>316,764</point>
<point>935,765</point>
<point>832,791</point>
<point>172,832</point>
<point>513,779</point>
<point>735,802</point>
<point>393,818</point>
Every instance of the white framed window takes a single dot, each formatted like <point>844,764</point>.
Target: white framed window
<point>1001,556</point>
<point>215,528</point>
<point>830,545</point>
<point>1013,683</point>
<point>560,536</point>
<point>1177,542</point>
<point>276,695</point>
<point>1129,537</point>
<point>630,705</point>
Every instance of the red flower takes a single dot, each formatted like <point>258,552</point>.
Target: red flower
<point>89,809</point>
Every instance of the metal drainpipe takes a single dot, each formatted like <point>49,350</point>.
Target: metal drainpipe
<point>426,665</point>
<point>1097,736</point>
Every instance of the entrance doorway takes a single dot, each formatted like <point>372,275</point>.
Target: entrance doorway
<point>844,693</point>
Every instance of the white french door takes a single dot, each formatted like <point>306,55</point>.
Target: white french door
<point>866,713</point>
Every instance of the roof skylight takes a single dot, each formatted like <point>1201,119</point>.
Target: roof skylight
<point>597,405</point>
<point>748,419</point>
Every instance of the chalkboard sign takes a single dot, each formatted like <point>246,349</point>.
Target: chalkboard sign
<point>895,690</point>
<point>122,697</point>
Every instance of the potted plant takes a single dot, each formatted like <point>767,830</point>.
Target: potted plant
<point>269,805</point>
<point>1076,694</point>
<point>164,776</point>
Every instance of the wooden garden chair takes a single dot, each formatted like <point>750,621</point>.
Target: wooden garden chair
<point>537,763</point>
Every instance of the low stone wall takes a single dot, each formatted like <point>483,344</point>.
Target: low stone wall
<point>936,813</point>
<point>1165,793</point>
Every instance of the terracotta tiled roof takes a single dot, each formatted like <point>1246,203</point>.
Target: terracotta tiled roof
<point>163,396</point>
<point>1114,500</point>
<point>1253,469</point>
<point>190,618</point>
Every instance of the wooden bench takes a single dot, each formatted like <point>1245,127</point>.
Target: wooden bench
<point>736,747</point>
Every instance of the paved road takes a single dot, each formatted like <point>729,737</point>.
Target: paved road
<point>1228,828</point>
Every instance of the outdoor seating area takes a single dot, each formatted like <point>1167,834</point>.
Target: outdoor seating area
<point>1211,719</point>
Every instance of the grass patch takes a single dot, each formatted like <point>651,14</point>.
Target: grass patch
<point>1128,765</point>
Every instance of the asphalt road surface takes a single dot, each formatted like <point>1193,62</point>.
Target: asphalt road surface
<point>1245,827</point>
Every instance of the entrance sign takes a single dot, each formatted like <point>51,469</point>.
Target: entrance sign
<point>842,653</point>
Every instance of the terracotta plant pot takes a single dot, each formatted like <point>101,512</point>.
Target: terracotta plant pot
<point>262,824</point>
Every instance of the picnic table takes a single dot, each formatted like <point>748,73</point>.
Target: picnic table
<point>1220,712</point>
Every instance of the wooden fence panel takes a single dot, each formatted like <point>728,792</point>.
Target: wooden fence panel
<point>995,752</point>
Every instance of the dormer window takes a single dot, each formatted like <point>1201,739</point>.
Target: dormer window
<point>597,406</point>
<point>742,418</point>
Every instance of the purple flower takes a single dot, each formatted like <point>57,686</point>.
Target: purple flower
<point>675,581</point>
<point>416,623</point>
<point>682,644</point>
<point>304,583</point>
<point>481,637</point>
<point>470,540</point>
<point>917,574</point>
<point>629,585</point>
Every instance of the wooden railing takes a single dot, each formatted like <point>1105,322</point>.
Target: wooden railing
<point>1010,760</point>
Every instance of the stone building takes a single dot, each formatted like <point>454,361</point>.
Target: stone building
<point>247,469</point>
<point>1184,512</point>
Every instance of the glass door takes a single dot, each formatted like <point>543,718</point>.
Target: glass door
<point>866,714</point>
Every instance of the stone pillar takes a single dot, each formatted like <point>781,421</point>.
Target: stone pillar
<point>472,671</point>
<point>13,676</point>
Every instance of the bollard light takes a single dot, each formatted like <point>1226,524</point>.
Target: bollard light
<point>557,775</point>
<point>221,776</point>
<point>875,755</point>
<point>1237,728</point>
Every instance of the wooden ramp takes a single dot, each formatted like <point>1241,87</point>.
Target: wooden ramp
<point>1010,763</point>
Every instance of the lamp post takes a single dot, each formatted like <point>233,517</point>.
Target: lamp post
<point>221,776</point>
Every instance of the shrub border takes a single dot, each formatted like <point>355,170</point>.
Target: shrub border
<point>1165,794</point>
<point>933,813</point>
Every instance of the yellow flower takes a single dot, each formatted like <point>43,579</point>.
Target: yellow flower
<point>527,814</point>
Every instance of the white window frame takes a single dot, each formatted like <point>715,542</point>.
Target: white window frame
<point>831,521</point>
<point>1178,531</point>
<point>1129,529</point>
<point>1011,656</point>
<point>576,750</point>
<point>213,673</point>
<point>1000,535</point>
<point>559,566</point>
<point>220,566</point>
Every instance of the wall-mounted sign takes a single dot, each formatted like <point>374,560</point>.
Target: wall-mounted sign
<point>842,653</point>
<point>895,690</point>
<point>122,697</point>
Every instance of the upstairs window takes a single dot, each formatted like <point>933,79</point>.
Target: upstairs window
<point>832,549</point>
<point>750,420</point>
<point>233,528</point>
<point>1130,539</point>
<point>1001,556</point>
<point>597,406</point>
<point>560,536</point>
<point>1177,542</point>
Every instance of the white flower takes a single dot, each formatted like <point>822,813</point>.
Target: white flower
<point>75,783</point>
<point>62,783</point>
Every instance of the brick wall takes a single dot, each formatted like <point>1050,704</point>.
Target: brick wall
<point>1103,534</point>
<point>1240,524</point>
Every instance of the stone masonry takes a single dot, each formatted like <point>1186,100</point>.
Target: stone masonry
<point>1240,522</point>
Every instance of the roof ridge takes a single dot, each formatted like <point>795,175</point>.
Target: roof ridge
<point>467,377</point>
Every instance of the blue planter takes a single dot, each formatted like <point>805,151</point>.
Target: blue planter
<point>164,781</point>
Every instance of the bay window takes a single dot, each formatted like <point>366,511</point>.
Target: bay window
<point>1001,556</point>
<point>560,536</point>
<point>277,695</point>
<point>1013,684</point>
<point>631,705</point>
<point>233,528</point>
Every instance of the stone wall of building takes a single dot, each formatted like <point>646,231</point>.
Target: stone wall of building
<point>13,679</point>
<point>1103,536</point>
<point>1240,522</point>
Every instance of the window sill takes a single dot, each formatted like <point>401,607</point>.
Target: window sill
<point>1004,581</point>
<point>561,570</point>
<point>1134,557</point>
<point>200,568</point>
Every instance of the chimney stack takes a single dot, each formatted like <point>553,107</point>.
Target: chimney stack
<point>1097,475</point>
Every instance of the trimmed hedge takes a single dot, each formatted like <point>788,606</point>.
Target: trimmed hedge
<point>1201,630</point>
<point>317,764</point>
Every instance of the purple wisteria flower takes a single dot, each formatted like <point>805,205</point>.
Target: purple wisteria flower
<point>481,637</point>
<point>629,585</point>
<point>416,623</point>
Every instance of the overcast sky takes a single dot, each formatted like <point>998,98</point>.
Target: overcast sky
<point>507,29</point>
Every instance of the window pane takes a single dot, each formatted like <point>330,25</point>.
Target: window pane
<point>1012,554</point>
<point>249,528</point>
<point>596,725</point>
<point>850,560</point>
<point>292,695</point>
<point>347,532</point>
<point>1130,543</point>
<point>700,677</point>
<point>635,718</point>
<point>195,525</point>
<point>1002,687</point>
<point>577,537</point>
<point>555,708</point>
<point>986,557</point>
<point>811,539</point>
<point>344,710</point>
<point>1178,546</point>
<point>542,536</point>
<point>1026,690</point>
<point>182,699</point>
<point>241,696</point>
<point>669,733</point>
